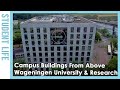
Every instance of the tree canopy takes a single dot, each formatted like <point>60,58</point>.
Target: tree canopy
<point>97,37</point>
<point>17,38</point>
<point>20,61</point>
<point>114,41</point>
<point>17,34</point>
<point>112,65</point>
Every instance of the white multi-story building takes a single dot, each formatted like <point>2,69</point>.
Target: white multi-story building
<point>58,39</point>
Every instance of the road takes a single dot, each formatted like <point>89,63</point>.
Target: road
<point>100,55</point>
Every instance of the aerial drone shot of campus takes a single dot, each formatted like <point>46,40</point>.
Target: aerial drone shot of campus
<point>69,39</point>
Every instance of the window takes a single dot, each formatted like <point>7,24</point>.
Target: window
<point>35,60</point>
<point>71,42</point>
<point>76,53</point>
<point>41,69</point>
<point>58,53</point>
<point>46,59</point>
<point>90,36</point>
<point>45,36</point>
<point>70,59</point>
<point>45,42</point>
<point>64,59</point>
<point>71,36</point>
<point>78,36</point>
<point>82,58</point>
<point>90,42</point>
<point>29,60</point>
<point>91,29</point>
<point>40,59</point>
<point>38,30</point>
<point>78,29</point>
<point>88,59</point>
<point>89,48</point>
<point>77,48</point>
<point>52,48</point>
<point>27,48</point>
<point>26,42</point>
<point>25,36</point>
<point>88,53</point>
<point>40,49</point>
<point>46,48</point>
<point>46,54</point>
<point>58,59</point>
<point>82,53</point>
<point>83,48</point>
<point>47,69</point>
<point>52,54</point>
<point>84,36</point>
<point>44,30</point>
<point>28,54</point>
<point>58,48</point>
<point>33,42</point>
<point>40,54</point>
<point>77,42</point>
<point>36,68</point>
<point>24,29</point>
<point>39,42</point>
<point>82,62</point>
<point>76,59</point>
<point>52,59</point>
<point>83,42</point>
<point>31,30</point>
<point>85,29</point>
<point>65,54</point>
<point>72,29</point>
<point>38,36</point>
<point>65,48</point>
<point>71,53</point>
<point>32,36</point>
<point>33,48</point>
<point>34,54</point>
<point>71,48</point>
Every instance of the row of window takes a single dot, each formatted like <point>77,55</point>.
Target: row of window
<point>72,29</point>
<point>59,54</point>
<point>72,36</point>
<point>32,31</point>
<point>77,48</point>
<point>59,59</point>
<point>84,42</point>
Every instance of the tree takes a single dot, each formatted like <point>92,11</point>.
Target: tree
<point>17,34</point>
<point>103,32</point>
<point>112,65</point>
<point>20,61</point>
<point>108,35</point>
<point>97,37</point>
<point>17,38</point>
<point>114,42</point>
<point>90,16</point>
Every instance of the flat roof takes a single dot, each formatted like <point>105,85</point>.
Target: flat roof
<point>58,19</point>
<point>18,50</point>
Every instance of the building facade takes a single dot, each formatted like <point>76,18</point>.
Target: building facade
<point>18,53</point>
<point>58,39</point>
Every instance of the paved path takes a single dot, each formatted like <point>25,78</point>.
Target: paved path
<point>100,55</point>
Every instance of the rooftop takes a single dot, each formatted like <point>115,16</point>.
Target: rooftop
<point>58,19</point>
<point>18,50</point>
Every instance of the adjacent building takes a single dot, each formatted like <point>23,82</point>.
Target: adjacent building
<point>18,53</point>
<point>58,39</point>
